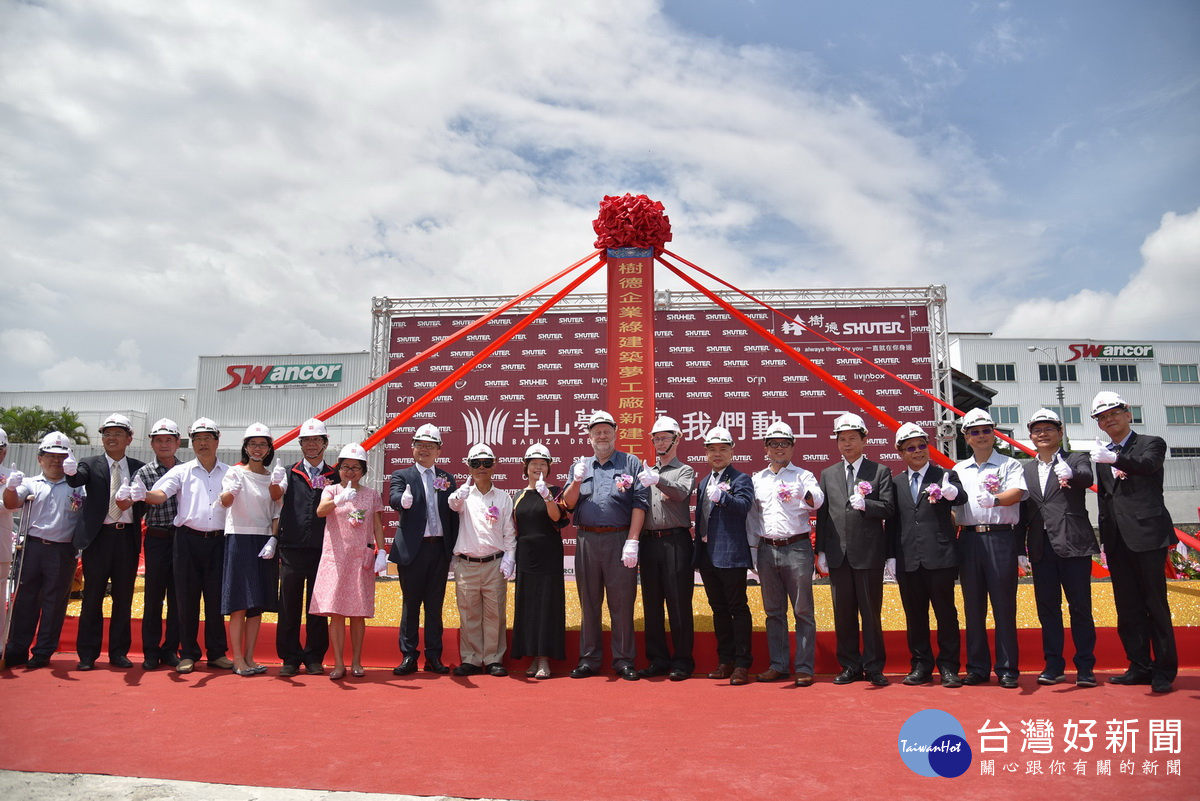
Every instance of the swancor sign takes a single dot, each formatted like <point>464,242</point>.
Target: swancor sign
<point>1089,351</point>
<point>256,376</point>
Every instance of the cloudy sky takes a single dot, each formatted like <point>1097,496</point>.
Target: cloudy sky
<point>206,177</point>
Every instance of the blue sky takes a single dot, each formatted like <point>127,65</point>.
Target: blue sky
<point>194,178</point>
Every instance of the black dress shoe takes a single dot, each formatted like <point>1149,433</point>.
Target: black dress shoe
<point>1047,679</point>
<point>434,665</point>
<point>497,669</point>
<point>120,662</point>
<point>84,665</point>
<point>1160,685</point>
<point>918,677</point>
<point>287,671</point>
<point>1130,676</point>
<point>34,662</point>
<point>652,671</point>
<point>878,679</point>
<point>848,676</point>
<point>1085,679</point>
<point>1009,682</point>
<point>409,665</point>
<point>973,679</point>
<point>170,660</point>
<point>150,663</point>
<point>583,672</point>
<point>628,673</point>
<point>314,668</point>
<point>467,669</point>
<point>950,678</point>
<point>679,674</point>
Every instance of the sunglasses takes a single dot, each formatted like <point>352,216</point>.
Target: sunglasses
<point>478,463</point>
<point>915,448</point>
<point>778,443</point>
<point>979,432</point>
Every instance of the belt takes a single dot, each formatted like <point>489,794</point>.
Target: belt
<point>205,534</point>
<point>159,532</point>
<point>44,541</point>
<point>117,526</point>
<point>477,559</point>
<point>785,541</point>
<point>655,533</point>
<point>986,529</point>
<point>602,529</point>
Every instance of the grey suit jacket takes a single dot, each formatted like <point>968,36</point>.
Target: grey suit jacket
<point>846,534</point>
<point>1059,513</point>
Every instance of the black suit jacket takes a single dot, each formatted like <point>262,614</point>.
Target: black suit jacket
<point>1133,507</point>
<point>93,473</point>
<point>728,544</point>
<point>846,534</point>
<point>923,534</point>
<point>411,529</point>
<point>1060,513</point>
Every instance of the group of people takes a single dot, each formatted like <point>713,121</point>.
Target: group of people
<point>306,541</point>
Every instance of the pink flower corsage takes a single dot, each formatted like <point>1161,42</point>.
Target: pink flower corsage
<point>864,488</point>
<point>724,486</point>
<point>75,501</point>
<point>440,483</point>
<point>624,481</point>
<point>786,491</point>
<point>319,482</point>
<point>1121,474</point>
<point>934,491</point>
<point>991,483</point>
<point>357,516</point>
<point>493,514</point>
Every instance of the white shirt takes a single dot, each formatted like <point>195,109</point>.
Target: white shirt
<point>252,510</point>
<point>6,524</point>
<point>775,518</point>
<point>126,514</point>
<point>1011,476</point>
<point>478,535</point>
<point>199,494</point>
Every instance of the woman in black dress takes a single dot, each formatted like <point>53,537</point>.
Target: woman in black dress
<point>540,621</point>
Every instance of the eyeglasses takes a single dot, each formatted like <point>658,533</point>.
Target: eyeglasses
<point>778,443</point>
<point>484,463</point>
<point>662,440</point>
<point>351,468</point>
<point>915,448</point>
<point>1043,431</point>
<point>979,432</point>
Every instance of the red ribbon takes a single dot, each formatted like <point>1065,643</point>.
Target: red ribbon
<point>631,222</point>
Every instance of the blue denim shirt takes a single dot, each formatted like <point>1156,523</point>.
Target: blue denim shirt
<point>601,503</point>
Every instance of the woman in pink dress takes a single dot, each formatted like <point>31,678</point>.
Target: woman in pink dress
<point>351,556</point>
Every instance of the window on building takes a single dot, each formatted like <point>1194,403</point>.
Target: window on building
<point>1179,374</point>
<point>1005,415</point>
<point>1118,372</point>
<point>996,372</point>
<point>1136,411</point>
<point>1185,453</point>
<point>1183,415</point>
<point>1056,372</point>
<point>1068,414</point>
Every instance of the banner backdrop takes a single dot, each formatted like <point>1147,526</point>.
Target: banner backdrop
<point>631,348</point>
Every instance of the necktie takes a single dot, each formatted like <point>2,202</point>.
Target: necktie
<point>433,524</point>
<point>114,511</point>
<point>312,472</point>
<point>1115,448</point>
<point>849,479</point>
<point>916,486</point>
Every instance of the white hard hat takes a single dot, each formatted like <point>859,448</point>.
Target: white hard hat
<point>55,442</point>
<point>258,430</point>
<point>3,437</point>
<point>351,451</point>
<point>779,430</point>
<point>976,417</point>
<point>164,426</point>
<point>204,426</point>
<point>849,422</point>
<point>538,451</point>
<point>667,425</point>
<point>718,436</point>
<point>908,431</point>
<point>313,427</point>
<point>117,421</point>
<point>600,416</point>
<point>480,451</point>
<point>1044,416</point>
<point>1107,400</point>
<point>428,433</point>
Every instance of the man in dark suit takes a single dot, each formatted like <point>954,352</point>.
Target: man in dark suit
<point>110,536</point>
<point>924,542</point>
<point>723,502</point>
<point>422,547</point>
<point>1060,542</point>
<point>1136,530</point>
<point>851,541</point>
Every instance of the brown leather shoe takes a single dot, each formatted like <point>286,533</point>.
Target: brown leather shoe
<point>723,671</point>
<point>771,674</point>
<point>740,676</point>
<point>804,680</point>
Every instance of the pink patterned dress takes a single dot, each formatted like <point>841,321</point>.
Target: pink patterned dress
<point>345,582</point>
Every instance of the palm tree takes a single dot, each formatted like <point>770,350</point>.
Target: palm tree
<point>30,424</point>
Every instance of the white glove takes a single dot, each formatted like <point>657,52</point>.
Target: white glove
<point>137,490</point>
<point>580,471</point>
<point>647,478</point>
<point>346,494</point>
<point>70,465</point>
<point>14,480</point>
<point>406,499</point>
<point>949,490</point>
<point>508,566</point>
<point>823,563</point>
<point>122,493</point>
<point>542,489</point>
<point>278,474</point>
<point>268,550</point>
<point>714,493</point>
<point>462,492</point>
<point>1102,455</point>
<point>754,559</point>
<point>985,500</point>
<point>857,501</point>
<point>1023,563</point>
<point>889,570</point>
<point>1063,470</point>
<point>629,554</point>
<point>381,561</point>
<point>232,482</point>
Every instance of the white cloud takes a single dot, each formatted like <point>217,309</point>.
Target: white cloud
<point>121,370</point>
<point>26,346</point>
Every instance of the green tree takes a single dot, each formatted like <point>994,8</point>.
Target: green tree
<point>31,423</point>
